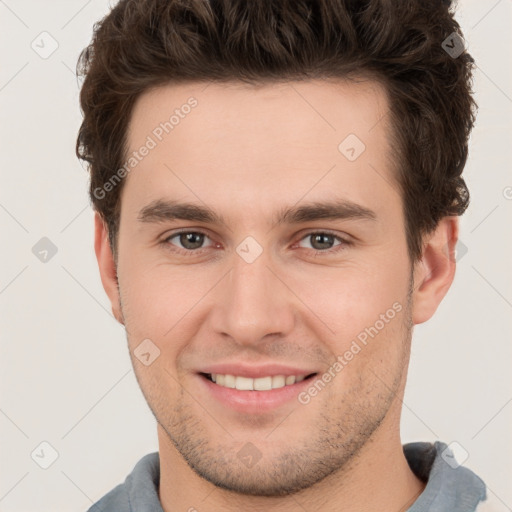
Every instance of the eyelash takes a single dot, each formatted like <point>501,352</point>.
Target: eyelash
<point>344,243</point>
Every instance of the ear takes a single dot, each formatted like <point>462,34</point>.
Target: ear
<point>434,273</point>
<point>107,267</point>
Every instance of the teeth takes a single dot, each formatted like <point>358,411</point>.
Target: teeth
<point>263,384</point>
<point>278,381</point>
<point>259,384</point>
<point>243,383</point>
<point>229,381</point>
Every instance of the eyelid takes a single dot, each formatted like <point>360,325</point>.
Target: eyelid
<point>343,239</point>
<point>314,231</point>
<point>200,231</point>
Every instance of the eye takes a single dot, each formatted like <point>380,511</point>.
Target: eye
<point>322,241</point>
<point>189,241</point>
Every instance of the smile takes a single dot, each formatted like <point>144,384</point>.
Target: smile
<point>258,384</point>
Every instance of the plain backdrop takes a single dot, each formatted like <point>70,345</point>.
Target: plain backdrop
<point>65,374</point>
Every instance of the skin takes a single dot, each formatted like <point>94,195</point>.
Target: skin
<point>248,152</point>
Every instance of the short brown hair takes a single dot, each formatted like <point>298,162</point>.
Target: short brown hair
<point>404,44</point>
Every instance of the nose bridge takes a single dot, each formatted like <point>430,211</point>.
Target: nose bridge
<point>254,302</point>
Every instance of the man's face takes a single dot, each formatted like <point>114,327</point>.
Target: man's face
<point>255,292</point>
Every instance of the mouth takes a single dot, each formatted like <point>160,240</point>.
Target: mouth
<point>253,396</point>
<point>266,383</point>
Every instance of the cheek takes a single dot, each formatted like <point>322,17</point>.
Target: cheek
<point>351,298</point>
<point>152,310</point>
<point>361,311</point>
<point>158,304</point>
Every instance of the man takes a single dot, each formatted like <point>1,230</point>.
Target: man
<point>277,186</point>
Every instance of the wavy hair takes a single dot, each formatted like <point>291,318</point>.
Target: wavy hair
<point>404,44</point>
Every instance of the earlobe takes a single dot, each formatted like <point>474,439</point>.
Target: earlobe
<point>107,267</point>
<point>434,273</point>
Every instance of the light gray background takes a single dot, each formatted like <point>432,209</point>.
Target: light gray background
<point>65,372</point>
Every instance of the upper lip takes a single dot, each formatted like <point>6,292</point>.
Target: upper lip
<point>254,371</point>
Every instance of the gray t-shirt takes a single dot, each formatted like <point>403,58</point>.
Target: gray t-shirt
<point>450,487</point>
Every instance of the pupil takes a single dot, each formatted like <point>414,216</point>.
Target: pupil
<point>191,240</point>
<point>195,240</point>
<point>324,240</point>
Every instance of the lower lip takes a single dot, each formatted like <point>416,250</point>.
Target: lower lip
<point>254,402</point>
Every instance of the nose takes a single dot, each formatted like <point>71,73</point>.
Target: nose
<point>253,303</point>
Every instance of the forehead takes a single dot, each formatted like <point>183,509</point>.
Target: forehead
<point>282,136</point>
<point>308,109</point>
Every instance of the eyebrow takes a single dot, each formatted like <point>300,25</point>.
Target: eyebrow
<point>162,210</point>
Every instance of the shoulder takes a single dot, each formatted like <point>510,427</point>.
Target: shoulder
<point>114,501</point>
<point>139,491</point>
